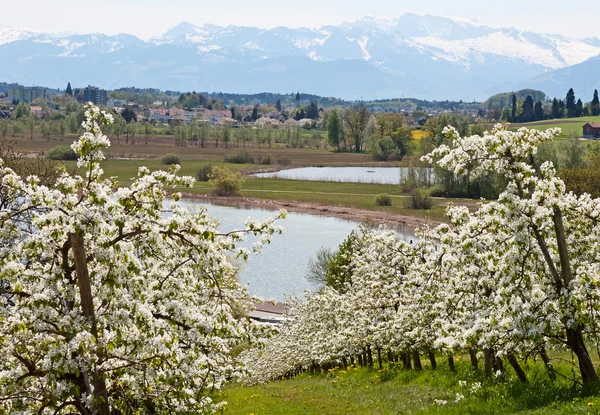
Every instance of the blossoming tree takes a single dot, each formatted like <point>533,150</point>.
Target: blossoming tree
<point>553,235</point>
<point>508,280</point>
<point>115,299</point>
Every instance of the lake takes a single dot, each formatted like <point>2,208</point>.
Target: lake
<point>281,268</point>
<point>378,175</point>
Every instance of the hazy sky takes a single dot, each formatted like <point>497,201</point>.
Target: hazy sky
<point>149,18</point>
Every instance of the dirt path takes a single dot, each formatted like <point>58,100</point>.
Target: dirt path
<point>392,220</point>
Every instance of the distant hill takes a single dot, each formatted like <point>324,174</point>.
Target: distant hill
<point>505,98</point>
<point>583,78</point>
<point>5,86</point>
<point>425,57</point>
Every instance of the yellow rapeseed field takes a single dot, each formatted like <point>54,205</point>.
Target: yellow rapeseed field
<point>419,134</point>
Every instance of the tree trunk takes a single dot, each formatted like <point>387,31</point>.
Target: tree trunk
<point>344,362</point>
<point>474,361</point>
<point>417,360</point>
<point>370,357</point>
<point>406,360</point>
<point>586,366</point>
<point>547,363</point>
<point>487,361</point>
<point>87,306</point>
<point>390,356</point>
<point>360,360</point>
<point>451,363</point>
<point>379,360</point>
<point>432,360</point>
<point>574,335</point>
<point>515,364</point>
<point>499,365</point>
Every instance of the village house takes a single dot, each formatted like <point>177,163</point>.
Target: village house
<point>37,111</point>
<point>265,122</point>
<point>231,122</point>
<point>215,116</point>
<point>268,313</point>
<point>305,121</point>
<point>591,130</point>
<point>273,114</point>
<point>164,115</point>
<point>157,115</point>
<point>244,110</point>
<point>113,103</point>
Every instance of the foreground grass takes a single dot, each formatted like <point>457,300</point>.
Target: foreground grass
<point>394,391</point>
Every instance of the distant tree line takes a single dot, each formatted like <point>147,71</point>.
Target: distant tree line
<point>527,110</point>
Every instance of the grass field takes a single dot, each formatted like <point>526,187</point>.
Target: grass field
<point>571,127</point>
<point>125,159</point>
<point>395,391</point>
<point>327,193</point>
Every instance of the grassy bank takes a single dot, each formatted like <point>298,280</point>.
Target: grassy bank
<point>395,391</point>
<point>356,195</point>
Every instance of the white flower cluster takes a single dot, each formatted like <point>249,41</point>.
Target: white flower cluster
<point>516,276</point>
<point>167,305</point>
<point>90,144</point>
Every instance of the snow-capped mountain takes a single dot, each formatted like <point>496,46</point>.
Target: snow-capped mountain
<point>422,56</point>
<point>583,78</point>
<point>8,34</point>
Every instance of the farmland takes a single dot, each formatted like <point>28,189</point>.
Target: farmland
<point>125,159</point>
<point>571,127</point>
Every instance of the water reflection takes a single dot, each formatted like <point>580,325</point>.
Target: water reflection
<point>280,269</point>
<point>378,175</point>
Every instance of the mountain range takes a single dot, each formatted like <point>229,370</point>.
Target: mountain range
<point>426,57</point>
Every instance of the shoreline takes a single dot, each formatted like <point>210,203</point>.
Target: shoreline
<point>389,219</point>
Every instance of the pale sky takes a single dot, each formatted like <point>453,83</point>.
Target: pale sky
<point>150,18</point>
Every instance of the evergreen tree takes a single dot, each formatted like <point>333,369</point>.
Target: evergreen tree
<point>555,109</point>
<point>232,109</point>
<point>297,96</point>
<point>586,111</point>
<point>278,105</point>
<point>300,114</point>
<point>578,108</point>
<point>69,90</point>
<point>539,111</point>
<point>527,114</point>
<point>513,112</point>
<point>595,107</point>
<point>570,103</point>
<point>312,111</point>
<point>254,114</point>
<point>128,115</point>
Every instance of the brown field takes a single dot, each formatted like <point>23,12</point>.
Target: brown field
<point>159,146</point>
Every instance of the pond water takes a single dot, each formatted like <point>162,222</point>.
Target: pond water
<point>379,175</point>
<point>281,268</point>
